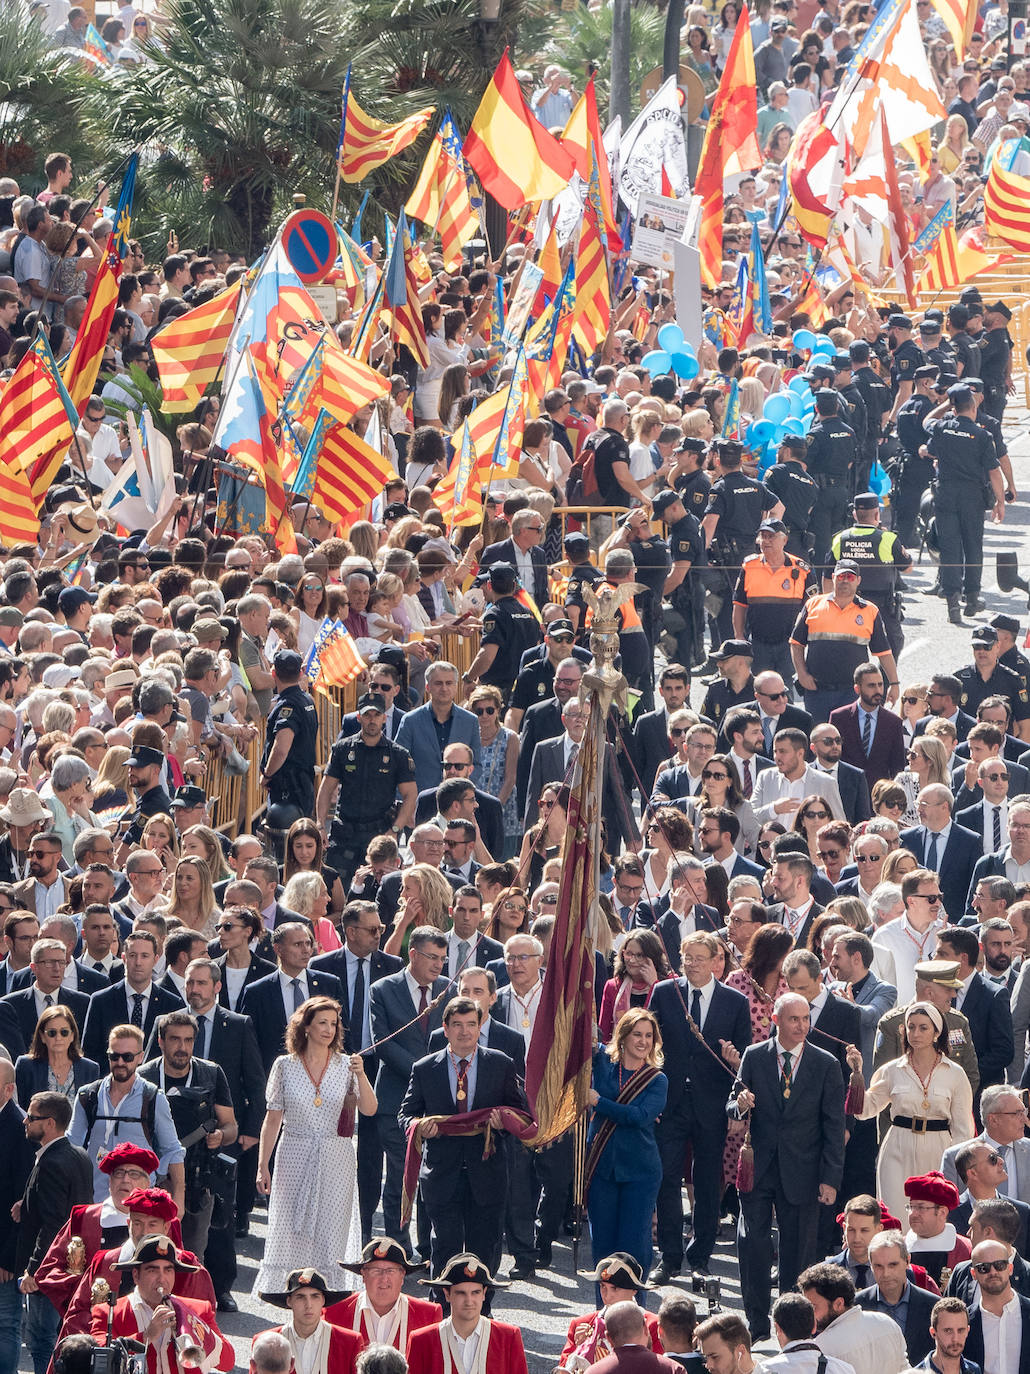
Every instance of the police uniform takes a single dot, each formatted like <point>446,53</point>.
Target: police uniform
<point>914,472</point>
<point>790,483</point>
<point>881,556</point>
<point>368,776</point>
<point>740,502</point>
<point>720,699</point>
<point>832,452</point>
<point>995,349</point>
<point>772,598</point>
<point>1003,682</point>
<point>686,545</point>
<point>651,557</point>
<point>581,575</point>
<point>967,353</point>
<point>693,490</point>
<point>857,416</point>
<point>836,640</point>
<point>878,402</point>
<point>154,802</point>
<point>904,361</point>
<point>513,629</point>
<point>965,457</point>
<point>294,783</point>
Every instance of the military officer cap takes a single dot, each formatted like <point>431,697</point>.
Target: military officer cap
<point>371,701</point>
<point>943,972</point>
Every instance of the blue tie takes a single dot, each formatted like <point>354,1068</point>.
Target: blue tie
<point>931,853</point>
<point>767,730</point>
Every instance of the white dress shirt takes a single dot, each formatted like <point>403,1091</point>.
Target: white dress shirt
<point>286,988</point>
<point>1016,872</point>
<point>48,899</point>
<point>707,993</point>
<point>1003,1337</point>
<point>130,1001</point>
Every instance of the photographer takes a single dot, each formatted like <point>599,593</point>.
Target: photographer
<point>205,1122</point>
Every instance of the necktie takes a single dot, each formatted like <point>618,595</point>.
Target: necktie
<point>462,1093</point>
<point>867,732</point>
<point>748,787</point>
<point>861,1276</point>
<point>48,1000</point>
<point>137,1009</point>
<point>767,731</point>
<point>695,1007</point>
<point>997,828</point>
<point>786,1073</point>
<point>931,853</point>
<point>624,913</point>
<point>99,967</point>
<point>1008,1188</point>
<point>357,1007</point>
<point>423,1011</point>
<point>463,955</point>
<point>298,994</point>
<point>205,1037</point>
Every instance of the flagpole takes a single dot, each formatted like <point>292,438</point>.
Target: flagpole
<point>339,150</point>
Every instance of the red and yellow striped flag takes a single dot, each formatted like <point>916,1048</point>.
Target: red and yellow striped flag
<point>368,142</point>
<point>189,350</point>
<point>941,269</point>
<point>441,196</point>
<point>960,17</point>
<point>459,495</point>
<point>582,132</point>
<point>348,473</point>
<point>1007,205</point>
<point>37,424</point>
<point>593,290</point>
<point>812,304</point>
<point>83,362</point>
<point>337,660</point>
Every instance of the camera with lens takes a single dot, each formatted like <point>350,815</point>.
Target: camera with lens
<point>709,1287</point>
<point>81,1354</point>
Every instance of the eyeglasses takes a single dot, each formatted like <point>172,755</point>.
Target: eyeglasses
<point>913,754</point>
<point>993,1158</point>
<point>62,1031</point>
<point>708,776</point>
<point>677,731</point>
<point>454,765</point>
<point>934,898</point>
<point>823,853</point>
<point>123,1056</point>
<point>519,958</point>
<point>996,777</point>
<point>228,925</point>
<point>485,710</point>
<point>382,686</point>
<point>30,1117</point>
<point>910,701</point>
<point>513,906</point>
<point>869,858</point>
<point>551,899</point>
<point>815,815</point>
<point>985,1267</point>
<point>773,696</point>
<point>765,844</point>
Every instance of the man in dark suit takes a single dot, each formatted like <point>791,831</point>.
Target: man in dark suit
<point>1009,861</point>
<point>871,738</point>
<point>851,782</point>
<point>61,1178</point>
<point>428,846</point>
<point>791,880</point>
<point>943,698</point>
<point>742,731</point>
<point>135,1001</point>
<point>481,985</point>
<point>983,808</point>
<point>404,1015</point>
<point>981,1168</point>
<point>792,1095</point>
<point>995,1294</point>
<point>718,830</point>
<point>627,892</point>
<point>49,961</point>
<point>385,679</point>
<point>76,976</point>
<point>543,721</point>
<point>358,965</point>
<point>893,1282</point>
<point>464,1193</point>
<point>693,1114</point>
<point>17,1154</point>
<point>985,1005</point>
<point>467,947</point>
<point>685,911</point>
<point>271,1001</point>
<point>651,742</point>
<point>527,533</point>
<point>942,846</point>
<point>489,814</point>
<point>775,713</point>
<point>553,761</point>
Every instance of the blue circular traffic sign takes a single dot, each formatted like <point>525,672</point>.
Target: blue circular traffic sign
<point>311,244</point>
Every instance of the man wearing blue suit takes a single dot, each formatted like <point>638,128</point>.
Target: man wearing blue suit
<point>272,1000</point>
<point>718,830</point>
<point>944,847</point>
<point>1013,861</point>
<point>49,960</point>
<point>427,731</point>
<point>404,1015</point>
<point>691,1010</point>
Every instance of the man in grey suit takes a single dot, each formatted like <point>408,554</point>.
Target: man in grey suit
<point>553,761</point>
<point>1004,1118</point>
<point>420,731</point>
<point>780,791</point>
<point>404,1015</point>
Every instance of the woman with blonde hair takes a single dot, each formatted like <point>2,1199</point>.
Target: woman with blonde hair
<point>927,763</point>
<point>192,899</point>
<point>364,539</point>
<point>697,424</point>
<point>112,794</point>
<point>203,842</point>
<point>307,894</point>
<point>426,898</point>
<point>950,150</point>
<point>160,835</point>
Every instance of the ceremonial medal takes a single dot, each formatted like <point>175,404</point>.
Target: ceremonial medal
<point>786,1092</point>
<point>461,1094</point>
<point>318,1099</point>
<point>525,1021</point>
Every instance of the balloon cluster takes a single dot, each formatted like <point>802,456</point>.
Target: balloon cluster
<point>673,354</point>
<point>788,412</point>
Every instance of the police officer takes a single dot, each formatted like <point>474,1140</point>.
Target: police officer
<point>913,472</point>
<point>1007,628</point>
<point>873,389</point>
<point>536,681</point>
<point>582,573</point>
<point>685,551</point>
<point>967,353</point>
<point>736,683</point>
<point>369,771</point>
<point>509,629</point>
<point>770,592</point>
<point>288,761</point>
<point>832,453</point>
<point>855,413</point>
<point>906,356</point>
<point>788,480</point>
<point>651,560</point>
<point>687,475</point>
<point>880,556</point>
<point>996,358</point>
<point>737,505</point>
<point>992,425</point>
<point>966,465</point>
<point>936,348</point>
<point>986,677</point>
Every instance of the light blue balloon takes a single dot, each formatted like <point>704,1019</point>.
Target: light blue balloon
<point>824,348</point>
<point>795,402</point>
<point>804,339</point>
<point>776,408</point>
<point>807,419</point>
<point>879,481</point>
<point>760,432</point>
<point>657,362</point>
<point>685,365</point>
<point>799,386</point>
<point>670,337</point>
<point>793,426</point>
<point>826,341</point>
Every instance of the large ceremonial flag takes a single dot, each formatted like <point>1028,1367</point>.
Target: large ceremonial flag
<point>83,362</point>
<point>516,159</point>
<point>37,425</point>
<point>189,350</point>
<point>366,142</point>
<point>441,197</point>
<point>349,473</point>
<point>400,297</point>
<point>1007,201</point>
<point>652,151</point>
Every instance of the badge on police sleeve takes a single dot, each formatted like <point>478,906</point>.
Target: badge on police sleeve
<point>963,698</point>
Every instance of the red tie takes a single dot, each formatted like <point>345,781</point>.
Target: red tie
<point>423,1012</point>
<point>462,1094</point>
<point>748,785</point>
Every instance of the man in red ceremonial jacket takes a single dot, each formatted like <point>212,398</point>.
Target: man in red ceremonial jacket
<point>380,1313</point>
<point>152,1212</point>
<point>99,1225</point>
<point>620,1280</point>
<point>441,1349</point>
<point>150,1315</point>
<point>318,1347</point>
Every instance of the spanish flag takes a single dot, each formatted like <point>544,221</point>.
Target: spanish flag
<point>511,152</point>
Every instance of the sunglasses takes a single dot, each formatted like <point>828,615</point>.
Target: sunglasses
<point>996,777</point>
<point>816,815</point>
<point>934,898</point>
<point>867,858</point>
<point>709,776</point>
<point>452,766</point>
<point>677,731</point>
<point>999,1266</point>
<point>485,710</point>
<point>773,696</point>
<point>910,701</point>
<point>823,854</point>
<point>61,1031</point>
<point>122,1056</point>
<point>227,925</point>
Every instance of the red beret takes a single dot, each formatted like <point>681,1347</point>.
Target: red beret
<point>932,1187</point>
<point>128,1154</point>
<point>888,1221</point>
<point>152,1202</point>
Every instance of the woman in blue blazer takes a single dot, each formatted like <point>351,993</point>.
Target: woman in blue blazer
<point>624,1168</point>
<point>55,1061</point>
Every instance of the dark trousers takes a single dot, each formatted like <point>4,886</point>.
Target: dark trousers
<point>462,1224</point>
<point>620,1218</point>
<point>685,1123</point>
<point>859,1168</point>
<point>246,1176</point>
<point>829,515</point>
<point>394,1146</point>
<point>370,1173</point>
<point>960,533</point>
<point>538,1190</point>
<point>798,1228</point>
<point>912,482</point>
<point>823,700</point>
<point>220,1255</point>
<point>773,658</point>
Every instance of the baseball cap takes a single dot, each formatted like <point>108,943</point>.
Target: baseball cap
<point>189,796</point>
<point>11,616</point>
<point>776,526</point>
<point>1008,623</point>
<point>372,701</point>
<point>984,637</point>
<point>867,500</point>
<point>72,598</point>
<point>847,565</point>
<point>575,541</point>
<point>899,322</point>
<point>287,663</point>
<point>732,648</point>
<point>144,757</point>
<point>208,628</point>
